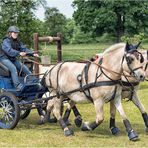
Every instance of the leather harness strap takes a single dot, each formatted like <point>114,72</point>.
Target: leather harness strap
<point>87,91</point>
<point>86,88</point>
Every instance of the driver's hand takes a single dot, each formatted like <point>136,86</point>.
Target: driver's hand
<point>22,54</point>
<point>35,55</point>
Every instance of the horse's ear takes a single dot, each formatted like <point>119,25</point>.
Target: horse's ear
<point>137,45</point>
<point>92,59</point>
<point>127,47</point>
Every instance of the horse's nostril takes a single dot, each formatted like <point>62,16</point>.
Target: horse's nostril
<point>142,77</point>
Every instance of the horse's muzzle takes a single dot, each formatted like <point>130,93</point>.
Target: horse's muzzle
<point>139,77</point>
<point>142,78</point>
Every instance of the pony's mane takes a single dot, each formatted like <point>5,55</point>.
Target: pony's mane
<point>114,47</point>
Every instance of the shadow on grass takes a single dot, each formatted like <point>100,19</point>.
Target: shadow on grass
<point>102,130</point>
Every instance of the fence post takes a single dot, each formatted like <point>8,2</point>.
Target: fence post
<point>59,48</point>
<point>36,47</point>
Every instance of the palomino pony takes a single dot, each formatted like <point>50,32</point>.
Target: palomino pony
<point>81,82</point>
<point>130,87</point>
<point>129,90</point>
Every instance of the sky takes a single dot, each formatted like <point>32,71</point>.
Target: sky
<point>64,7</point>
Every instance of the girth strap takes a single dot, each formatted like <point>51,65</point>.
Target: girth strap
<point>87,91</point>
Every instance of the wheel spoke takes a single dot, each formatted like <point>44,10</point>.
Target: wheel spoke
<point>9,111</point>
<point>9,108</point>
<point>11,115</point>
<point>2,104</point>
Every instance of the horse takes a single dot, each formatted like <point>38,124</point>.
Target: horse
<point>94,83</point>
<point>129,90</point>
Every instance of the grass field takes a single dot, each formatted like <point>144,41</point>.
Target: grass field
<point>76,51</point>
<point>73,52</point>
<point>29,134</point>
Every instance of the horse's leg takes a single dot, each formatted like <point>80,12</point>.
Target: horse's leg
<point>53,119</point>
<point>67,113</point>
<point>44,118</point>
<point>78,119</point>
<point>57,113</point>
<point>140,106</point>
<point>99,116</point>
<point>131,133</point>
<point>112,126</point>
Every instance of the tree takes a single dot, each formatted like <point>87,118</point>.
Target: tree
<point>111,16</point>
<point>21,14</point>
<point>70,27</point>
<point>55,22</point>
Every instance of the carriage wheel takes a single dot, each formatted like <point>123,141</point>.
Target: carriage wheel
<point>9,111</point>
<point>24,113</point>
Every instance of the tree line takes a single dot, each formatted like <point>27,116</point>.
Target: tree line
<point>93,21</point>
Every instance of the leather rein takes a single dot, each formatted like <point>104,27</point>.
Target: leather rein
<point>86,88</point>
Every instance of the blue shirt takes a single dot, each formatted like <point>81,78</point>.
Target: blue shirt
<point>10,51</point>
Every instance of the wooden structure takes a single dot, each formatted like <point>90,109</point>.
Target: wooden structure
<point>38,39</point>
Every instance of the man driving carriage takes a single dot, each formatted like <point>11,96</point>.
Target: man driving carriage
<point>10,49</point>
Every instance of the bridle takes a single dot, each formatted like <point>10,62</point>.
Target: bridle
<point>136,54</point>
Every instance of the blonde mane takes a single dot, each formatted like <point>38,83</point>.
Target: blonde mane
<point>114,47</point>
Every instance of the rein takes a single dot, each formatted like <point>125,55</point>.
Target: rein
<point>111,71</point>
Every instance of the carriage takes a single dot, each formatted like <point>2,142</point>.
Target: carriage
<point>16,105</point>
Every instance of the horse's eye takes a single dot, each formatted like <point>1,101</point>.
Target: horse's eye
<point>129,60</point>
<point>141,59</point>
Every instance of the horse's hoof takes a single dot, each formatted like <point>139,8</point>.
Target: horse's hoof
<point>132,135</point>
<point>115,131</point>
<point>41,121</point>
<point>68,132</point>
<point>67,122</point>
<point>52,120</point>
<point>78,121</point>
<point>85,127</point>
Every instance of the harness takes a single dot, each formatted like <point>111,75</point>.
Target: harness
<point>82,78</point>
<point>84,86</point>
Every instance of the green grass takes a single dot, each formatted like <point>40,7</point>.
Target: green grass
<point>74,52</point>
<point>29,134</point>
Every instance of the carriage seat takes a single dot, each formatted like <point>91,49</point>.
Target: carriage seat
<point>4,71</point>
